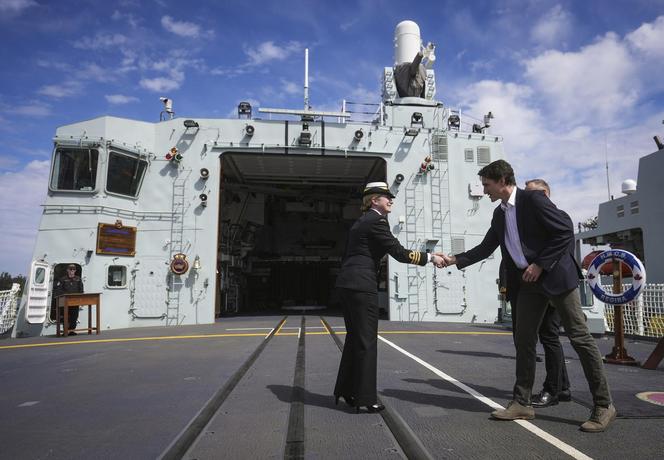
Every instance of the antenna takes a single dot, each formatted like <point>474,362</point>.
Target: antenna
<point>606,159</point>
<point>306,79</point>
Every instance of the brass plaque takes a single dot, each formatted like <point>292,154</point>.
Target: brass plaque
<point>116,240</point>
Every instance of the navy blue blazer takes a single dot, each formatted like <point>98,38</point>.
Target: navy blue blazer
<point>369,240</point>
<point>547,239</point>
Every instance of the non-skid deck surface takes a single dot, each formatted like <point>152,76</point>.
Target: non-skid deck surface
<point>130,394</point>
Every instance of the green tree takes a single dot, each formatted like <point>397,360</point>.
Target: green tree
<point>6,281</point>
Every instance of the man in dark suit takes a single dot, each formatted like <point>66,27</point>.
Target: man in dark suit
<point>535,240</point>
<point>369,240</point>
<point>556,383</point>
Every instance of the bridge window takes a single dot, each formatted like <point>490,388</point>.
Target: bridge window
<point>74,169</point>
<point>469,155</point>
<point>125,174</point>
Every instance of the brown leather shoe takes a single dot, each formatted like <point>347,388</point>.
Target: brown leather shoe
<point>599,419</point>
<point>514,411</point>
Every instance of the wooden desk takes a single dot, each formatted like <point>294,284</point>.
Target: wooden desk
<point>77,300</point>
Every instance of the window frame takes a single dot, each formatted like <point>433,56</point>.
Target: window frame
<point>134,156</point>
<point>90,148</point>
<point>126,276</point>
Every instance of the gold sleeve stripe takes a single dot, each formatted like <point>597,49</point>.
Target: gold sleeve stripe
<point>412,256</point>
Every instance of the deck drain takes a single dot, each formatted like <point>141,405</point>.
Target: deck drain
<point>653,397</point>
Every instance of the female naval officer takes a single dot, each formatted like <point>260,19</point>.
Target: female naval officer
<point>369,240</point>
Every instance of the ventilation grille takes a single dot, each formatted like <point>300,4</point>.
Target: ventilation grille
<point>458,245</point>
<point>439,147</point>
<point>483,155</point>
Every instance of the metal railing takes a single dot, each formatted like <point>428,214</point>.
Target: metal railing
<point>643,316</point>
<point>8,307</point>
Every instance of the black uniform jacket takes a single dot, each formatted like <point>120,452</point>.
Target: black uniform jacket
<point>547,239</point>
<point>66,285</point>
<point>369,240</point>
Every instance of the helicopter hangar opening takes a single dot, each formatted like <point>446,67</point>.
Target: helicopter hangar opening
<point>283,221</point>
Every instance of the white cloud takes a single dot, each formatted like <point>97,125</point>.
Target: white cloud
<point>348,24</point>
<point>127,17</point>
<point>649,38</point>
<point>93,71</point>
<point>33,109</point>
<point>553,27</point>
<point>184,28</point>
<point>596,83</point>
<point>101,41</point>
<point>7,162</point>
<point>15,6</point>
<point>289,87</point>
<point>516,117</point>
<point>27,187</point>
<point>268,51</point>
<point>67,89</point>
<point>120,99</point>
<point>160,84</point>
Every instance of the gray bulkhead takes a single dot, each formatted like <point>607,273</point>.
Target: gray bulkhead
<point>440,209</point>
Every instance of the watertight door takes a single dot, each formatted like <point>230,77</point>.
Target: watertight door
<point>38,283</point>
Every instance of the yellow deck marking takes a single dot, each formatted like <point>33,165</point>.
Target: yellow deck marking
<point>280,326</point>
<point>133,339</point>
<point>213,336</point>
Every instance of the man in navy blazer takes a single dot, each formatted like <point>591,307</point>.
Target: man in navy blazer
<point>536,242</point>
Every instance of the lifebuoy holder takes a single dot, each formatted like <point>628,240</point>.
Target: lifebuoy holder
<point>626,257</point>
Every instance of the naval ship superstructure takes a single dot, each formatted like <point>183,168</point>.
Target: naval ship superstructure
<point>184,220</point>
<point>635,221</point>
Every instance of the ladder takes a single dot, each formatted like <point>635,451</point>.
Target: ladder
<point>441,224</point>
<point>414,221</point>
<point>175,282</point>
<point>440,205</point>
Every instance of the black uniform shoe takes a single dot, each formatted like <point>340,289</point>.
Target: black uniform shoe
<point>544,399</point>
<point>565,395</point>
<point>349,400</point>
<point>372,409</point>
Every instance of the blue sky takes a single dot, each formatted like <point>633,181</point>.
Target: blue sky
<point>571,83</point>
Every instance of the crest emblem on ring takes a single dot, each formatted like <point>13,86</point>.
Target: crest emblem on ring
<point>179,264</point>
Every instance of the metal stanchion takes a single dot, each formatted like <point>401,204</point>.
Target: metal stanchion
<point>619,354</point>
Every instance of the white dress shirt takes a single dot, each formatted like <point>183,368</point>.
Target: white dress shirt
<point>512,240</point>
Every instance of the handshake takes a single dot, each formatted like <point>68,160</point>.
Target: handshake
<point>441,260</point>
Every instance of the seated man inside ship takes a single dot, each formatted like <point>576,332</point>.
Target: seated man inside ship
<point>410,77</point>
<point>69,284</point>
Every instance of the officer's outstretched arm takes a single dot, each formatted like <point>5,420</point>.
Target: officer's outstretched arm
<point>382,234</point>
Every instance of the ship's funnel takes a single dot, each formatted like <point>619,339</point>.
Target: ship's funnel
<point>407,42</point>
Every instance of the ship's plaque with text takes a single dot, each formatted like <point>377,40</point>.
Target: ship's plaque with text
<point>116,240</point>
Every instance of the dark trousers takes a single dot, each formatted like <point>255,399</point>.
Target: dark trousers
<point>532,303</point>
<point>73,317</point>
<point>554,359</point>
<point>358,367</point>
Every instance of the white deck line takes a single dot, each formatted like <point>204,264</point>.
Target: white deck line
<point>569,450</point>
